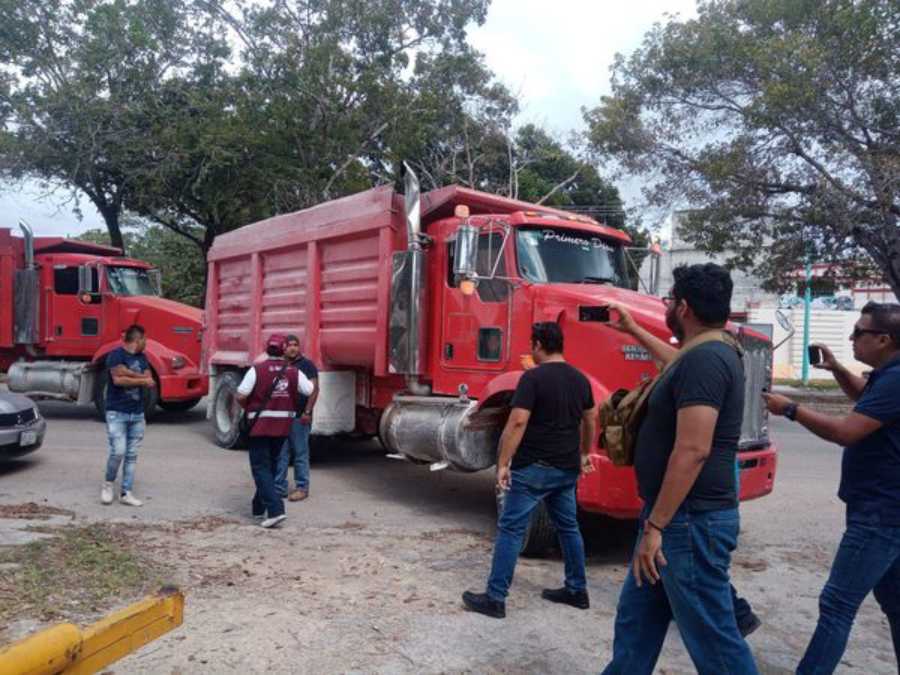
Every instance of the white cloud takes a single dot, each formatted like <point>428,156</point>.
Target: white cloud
<point>48,215</point>
<point>556,55</point>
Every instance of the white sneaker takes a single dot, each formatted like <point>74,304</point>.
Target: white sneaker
<point>273,522</point>
<point>106,494</point>
<point>259,517</point>
<point>130,500</point>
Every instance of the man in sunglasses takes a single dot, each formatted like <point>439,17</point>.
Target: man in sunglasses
<point>868,557</point>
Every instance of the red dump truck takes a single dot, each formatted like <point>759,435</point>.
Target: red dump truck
<point>418,310</point>
<point>63,306</point>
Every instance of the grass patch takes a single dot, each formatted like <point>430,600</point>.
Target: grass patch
<point>80,571</point>
<point>816,385</point>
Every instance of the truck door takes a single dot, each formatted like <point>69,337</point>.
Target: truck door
<point>475,331</point>
<point>73,322</point>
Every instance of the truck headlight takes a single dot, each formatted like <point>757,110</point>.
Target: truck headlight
<point>177,362</point>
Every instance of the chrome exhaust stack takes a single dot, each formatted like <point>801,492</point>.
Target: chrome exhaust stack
<point>408,291</point>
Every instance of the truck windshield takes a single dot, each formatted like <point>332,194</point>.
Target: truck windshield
<point>131,281</point>
<point>552,255</point>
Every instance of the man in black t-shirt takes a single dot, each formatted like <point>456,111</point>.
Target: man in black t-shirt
<point>685,466</point>
<point>543,450</point>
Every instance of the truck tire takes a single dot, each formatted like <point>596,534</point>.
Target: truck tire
<point>151,396</point>
<point>226,412</point>
<point>179,406</point>
<point>540,535</point>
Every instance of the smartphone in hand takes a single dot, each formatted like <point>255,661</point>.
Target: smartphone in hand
<point>598,314</point>
<point>815,355</point>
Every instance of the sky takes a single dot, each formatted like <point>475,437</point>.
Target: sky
<point>554,55</point>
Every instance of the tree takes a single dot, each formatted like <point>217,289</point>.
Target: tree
<point>72,92</point>
<point>777,122</point>
<point>180,262</point>
<point>313,109</point>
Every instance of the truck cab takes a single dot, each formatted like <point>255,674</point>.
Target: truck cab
<point>65,306</point>
<point>530,266</point>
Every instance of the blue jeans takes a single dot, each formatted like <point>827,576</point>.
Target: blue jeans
<point>868,559</point>
<point>264,453</point>
<point>298,444</point>
<point>694,591</point>
<point>528,487</point>
<point>125,432</point>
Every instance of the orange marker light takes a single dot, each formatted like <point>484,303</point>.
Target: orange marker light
<point>467,287</point>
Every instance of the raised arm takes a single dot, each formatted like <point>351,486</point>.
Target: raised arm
<point>659,349</point>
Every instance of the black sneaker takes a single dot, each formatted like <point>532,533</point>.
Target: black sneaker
<point>567,597</point>
<point>749,624</point>
<point>483,604</point>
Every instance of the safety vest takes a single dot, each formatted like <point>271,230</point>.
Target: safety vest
<point>276,415</point>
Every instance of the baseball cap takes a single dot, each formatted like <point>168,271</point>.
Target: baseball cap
<point>277,341</point>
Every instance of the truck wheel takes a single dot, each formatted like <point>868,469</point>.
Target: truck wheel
<point>540,535</point>
<point>179,406</point>
<point>227,413</point>
<point>151,396</point>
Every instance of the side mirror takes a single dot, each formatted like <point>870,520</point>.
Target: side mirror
<point>786,324</point>
<point>86,277</point>
<point>465,257</point>
<point>655,251</point>
<point>155,280</point>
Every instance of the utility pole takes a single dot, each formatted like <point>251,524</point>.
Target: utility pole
<point>807,301</point>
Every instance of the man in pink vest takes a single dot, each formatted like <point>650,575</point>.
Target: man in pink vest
<point>269,392</point>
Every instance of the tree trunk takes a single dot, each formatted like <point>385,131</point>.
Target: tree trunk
<point>892,273</point>
<point>209,236</point>
<point>111,216</point>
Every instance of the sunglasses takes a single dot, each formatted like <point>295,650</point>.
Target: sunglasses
<point>859,332</point>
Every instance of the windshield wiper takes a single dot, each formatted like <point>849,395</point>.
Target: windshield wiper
<point>597,280</point>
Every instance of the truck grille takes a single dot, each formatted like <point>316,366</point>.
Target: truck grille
<point>17,418</point>
<point>758,376</point>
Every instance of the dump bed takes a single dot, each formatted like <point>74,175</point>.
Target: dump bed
<point>322,274</point>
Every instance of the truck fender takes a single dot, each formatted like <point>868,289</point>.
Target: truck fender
<point>505,383</point>
<point>508,381</point>
<point>155,352</point>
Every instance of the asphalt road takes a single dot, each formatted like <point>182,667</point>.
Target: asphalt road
<point>787,542</point>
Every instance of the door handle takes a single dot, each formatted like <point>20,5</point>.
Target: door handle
<point>448,351</point>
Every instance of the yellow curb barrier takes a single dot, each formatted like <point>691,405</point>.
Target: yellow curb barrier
<point>70,650</point>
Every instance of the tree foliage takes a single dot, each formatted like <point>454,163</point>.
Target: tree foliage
<point>201,116</point>
<point>72,91</point>
<point>777,123</point>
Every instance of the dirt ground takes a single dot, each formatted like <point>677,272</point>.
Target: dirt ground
<point>366,575</point>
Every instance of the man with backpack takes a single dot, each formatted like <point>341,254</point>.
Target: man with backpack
<point>684,460</point>
<point>270,393</point>
<point>868,557</point>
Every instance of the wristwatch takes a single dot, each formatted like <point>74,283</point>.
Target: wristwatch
<point>791,411</point>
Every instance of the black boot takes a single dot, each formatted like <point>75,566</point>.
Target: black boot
<point>567,597</point>
<point>748,623</point>
<point>483,604</point>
